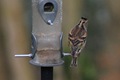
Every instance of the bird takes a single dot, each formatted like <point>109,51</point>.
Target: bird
<point>77,40</point>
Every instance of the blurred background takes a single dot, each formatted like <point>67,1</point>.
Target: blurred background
<point>100,59</point>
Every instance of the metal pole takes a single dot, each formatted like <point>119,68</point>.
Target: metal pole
<point>46,73</point>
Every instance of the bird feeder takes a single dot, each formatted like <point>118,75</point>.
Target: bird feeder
<point>47,17</point>
<point>46,33</point>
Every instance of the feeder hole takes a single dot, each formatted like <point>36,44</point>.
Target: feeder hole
<point>48,7</point>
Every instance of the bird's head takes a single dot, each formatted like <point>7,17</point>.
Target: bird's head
<point>83,21</point>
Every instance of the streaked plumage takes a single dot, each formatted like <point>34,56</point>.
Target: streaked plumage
<point>77,40</point>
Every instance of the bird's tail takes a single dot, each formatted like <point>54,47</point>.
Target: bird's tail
<point>74,62</point>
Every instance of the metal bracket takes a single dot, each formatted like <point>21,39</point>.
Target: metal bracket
<point>33,47</point>
<point>61,47</point>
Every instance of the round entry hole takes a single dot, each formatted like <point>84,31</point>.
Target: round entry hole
<point>48,7</point>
